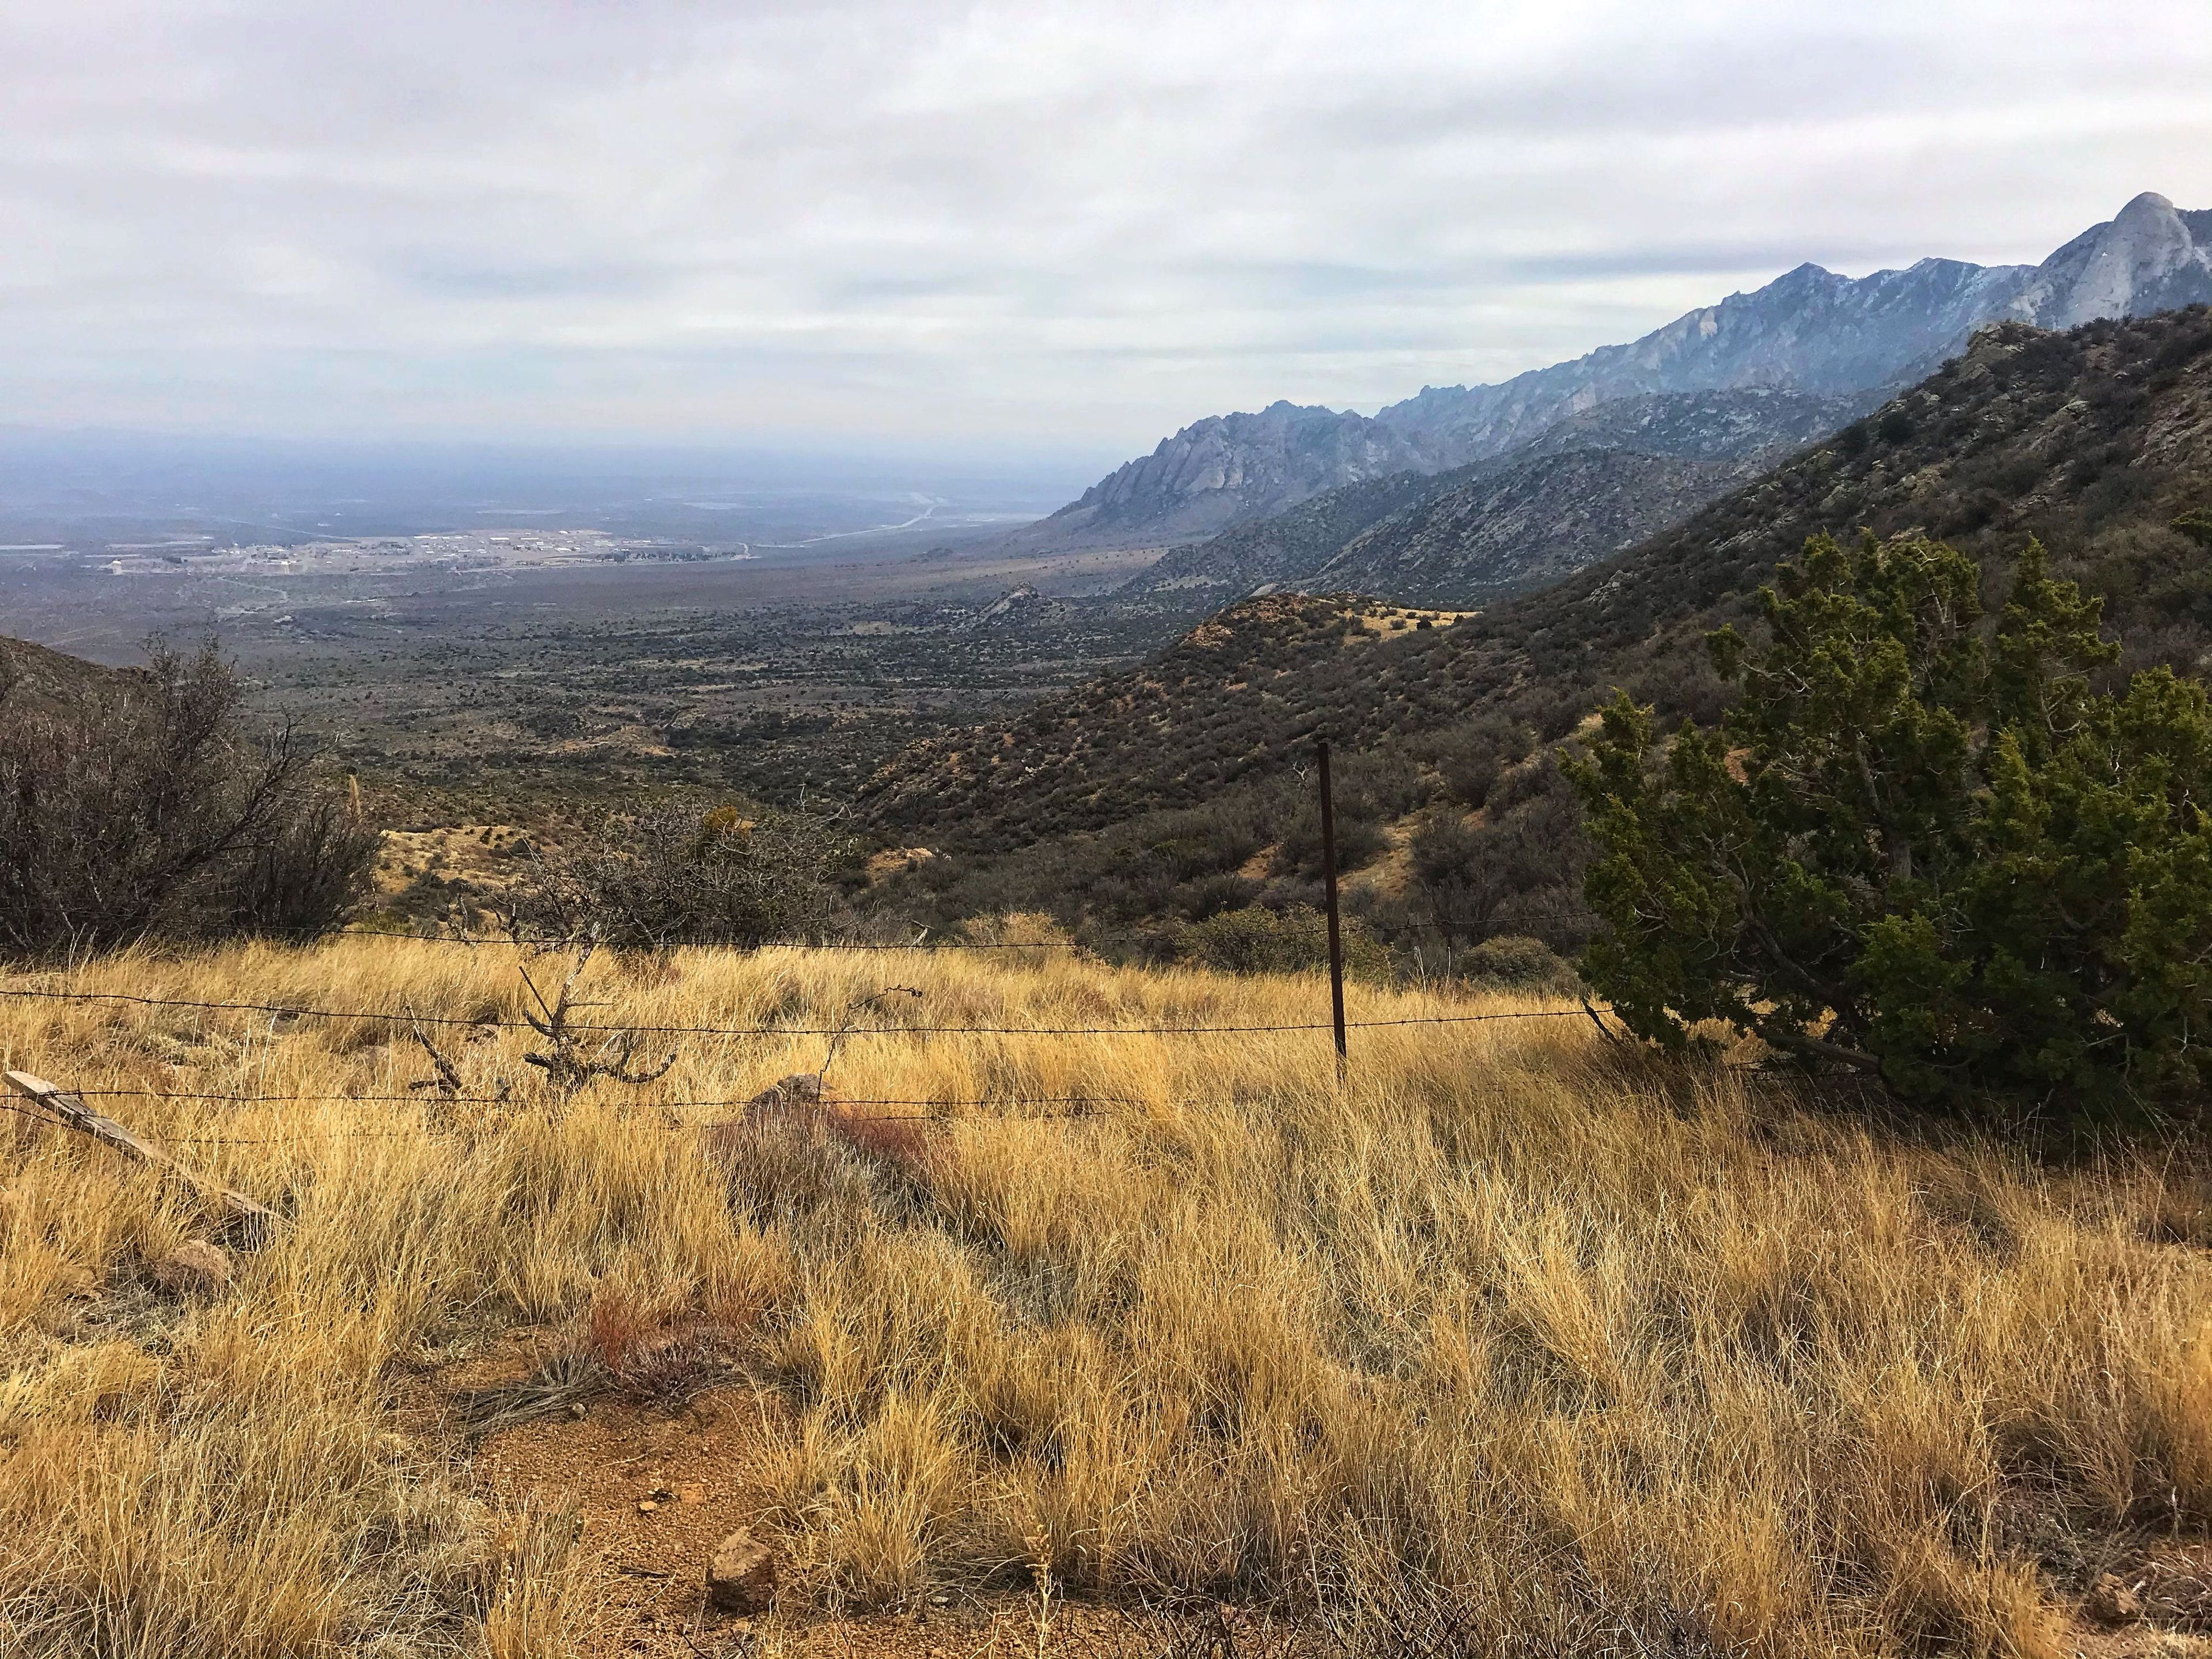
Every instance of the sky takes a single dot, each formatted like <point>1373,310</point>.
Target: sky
<point>1009,227</point>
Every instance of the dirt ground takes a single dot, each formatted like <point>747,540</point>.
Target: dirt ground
<point>656,1487</point>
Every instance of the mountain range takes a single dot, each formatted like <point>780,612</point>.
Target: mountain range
<point>1809,331</point>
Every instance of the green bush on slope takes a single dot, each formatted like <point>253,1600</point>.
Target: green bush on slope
<point>1256,940</point>
<point>1918,847</point>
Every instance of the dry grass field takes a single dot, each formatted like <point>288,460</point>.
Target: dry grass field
<point>1520,1344</point>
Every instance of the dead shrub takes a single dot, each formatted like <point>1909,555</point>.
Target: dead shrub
<point>149,805</point>
<point>648,1355</point>
<point>689,874</point>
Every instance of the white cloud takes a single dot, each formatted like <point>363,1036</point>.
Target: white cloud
<point>995,224</point>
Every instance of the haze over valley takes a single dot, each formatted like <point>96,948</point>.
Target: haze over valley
<point>673,621</point>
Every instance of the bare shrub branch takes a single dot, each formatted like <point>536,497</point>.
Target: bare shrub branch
<point>149,805</point>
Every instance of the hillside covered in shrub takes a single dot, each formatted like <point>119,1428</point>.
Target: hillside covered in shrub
<point>1167,780</point>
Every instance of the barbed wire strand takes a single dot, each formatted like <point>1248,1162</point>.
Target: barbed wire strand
<point>573,941</point>
<point>503,1023</point>
<point>431,1098</point>
<point>1078,1111</point>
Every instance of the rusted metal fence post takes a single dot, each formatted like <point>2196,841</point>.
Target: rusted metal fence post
<point>1335,927</point>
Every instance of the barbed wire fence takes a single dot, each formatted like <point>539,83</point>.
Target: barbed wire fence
<point>300,1010</point>
<point>914,1110</point>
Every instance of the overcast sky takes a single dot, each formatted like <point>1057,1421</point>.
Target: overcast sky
<point>1053,227</point>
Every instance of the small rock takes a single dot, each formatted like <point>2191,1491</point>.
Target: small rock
<point>795,1102</point>
<point>646,1506</point>
<point>741,1578</point>
<point>799,1090</point>
<point>195,1267</point>
<point>2113,1601</point>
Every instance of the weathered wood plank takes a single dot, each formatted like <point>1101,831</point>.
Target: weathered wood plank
<point>68,1109</point>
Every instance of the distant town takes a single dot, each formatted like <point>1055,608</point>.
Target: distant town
<point>475,550</point>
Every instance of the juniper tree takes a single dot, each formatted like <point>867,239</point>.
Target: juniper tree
<point>1919,845</point>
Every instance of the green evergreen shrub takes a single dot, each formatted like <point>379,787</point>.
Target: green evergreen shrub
<point>1919,846</point>
<point>1518,962</point>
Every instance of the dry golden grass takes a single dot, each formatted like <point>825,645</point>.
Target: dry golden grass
<point>1585,1351</point>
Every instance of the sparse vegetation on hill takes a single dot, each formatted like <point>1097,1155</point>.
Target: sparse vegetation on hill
<point>1257,940</point>
<point>1512,528</point>
<point>1521,1336</point>
<point>688,874</point>
<point>1284,545</point>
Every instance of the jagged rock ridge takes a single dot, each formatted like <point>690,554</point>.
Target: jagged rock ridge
<point>1810,331</point>
<point>1588,487</point>
<point>1229,468</point>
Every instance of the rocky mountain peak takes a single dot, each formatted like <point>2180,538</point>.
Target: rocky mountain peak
<point>2147,258</point>
<point>1810,331</point>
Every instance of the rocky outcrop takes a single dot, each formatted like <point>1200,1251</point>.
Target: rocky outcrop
<point>1586,488</point>
<point>742,1574</point>
<point>193,1268</point>
<point>1229,468</point>
<point>2150,258</point>
<point>1020,607</point>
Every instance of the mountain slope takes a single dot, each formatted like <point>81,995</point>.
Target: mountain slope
<point>35,677</point>
<point>1229,468</point>
<point>1813,331</point>
<point>1809,331</point>
<point>1462,537</point>
<point>1736,423</point>
<point>1521,527</point>
<point>2094,439</point>
<point>1284,546</point>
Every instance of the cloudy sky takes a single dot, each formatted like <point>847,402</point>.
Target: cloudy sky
<point>1013,225</point>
